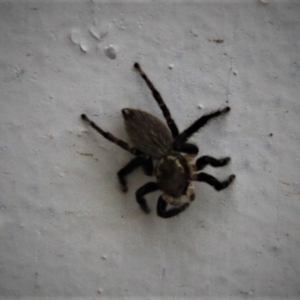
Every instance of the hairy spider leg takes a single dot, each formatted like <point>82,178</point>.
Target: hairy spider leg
<point>190,150</point>
<point>162,211</point>
<point>139,161</point>
<point>112,138</point>
<point>212,181</point>
<point>148,167</point>
<point>203,161</point>
<point>170,122</point>
<point>142,191</point>
<point>187,133</point>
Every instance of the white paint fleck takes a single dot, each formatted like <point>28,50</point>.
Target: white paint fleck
<point>78,39</point>
<point>75,37</point>
<point>94,31</point>
<point>194,32</point>
<point>84,46</point>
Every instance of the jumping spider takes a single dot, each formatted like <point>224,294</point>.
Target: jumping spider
<point>173,170</point>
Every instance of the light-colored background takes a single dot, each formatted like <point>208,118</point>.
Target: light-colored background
<point>66,229</point>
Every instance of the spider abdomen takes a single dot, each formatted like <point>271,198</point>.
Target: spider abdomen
<point>147,132</point>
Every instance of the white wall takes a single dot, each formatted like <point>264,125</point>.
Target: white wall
<point>66,229</point>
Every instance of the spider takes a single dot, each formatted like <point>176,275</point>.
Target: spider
<point>174,171</point>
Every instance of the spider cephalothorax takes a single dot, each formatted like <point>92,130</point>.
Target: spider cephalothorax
<point>174,170</point>
<point>173,174</point>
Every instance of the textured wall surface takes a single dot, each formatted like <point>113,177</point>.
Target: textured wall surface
<point>66,228</point>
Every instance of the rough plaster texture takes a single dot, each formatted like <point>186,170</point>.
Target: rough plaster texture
<point>66,229</point>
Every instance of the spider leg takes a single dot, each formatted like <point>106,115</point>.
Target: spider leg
<point>203,161</point>
<point>218,185</point>
<point>148,166</point>
<point>187,133</point>
<point>190,150</point>
<point>186,148</point>
<point>170,122</point>
<point>111,137</point>
<point>162,211</point>
<point>142,191</point>
<point>190,192</point>
<point>144,161</point>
